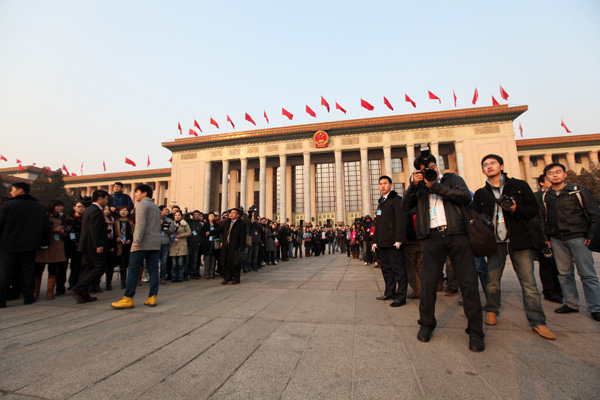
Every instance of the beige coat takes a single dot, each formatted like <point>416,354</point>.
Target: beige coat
<point>179,247</point>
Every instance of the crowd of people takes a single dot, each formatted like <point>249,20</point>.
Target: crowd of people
<point>411,238</point>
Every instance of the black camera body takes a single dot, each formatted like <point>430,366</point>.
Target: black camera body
<point>505,201</point>
<point>430,174</point>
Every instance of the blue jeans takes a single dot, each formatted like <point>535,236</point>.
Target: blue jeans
<point>565,253</point>
<point>291,249</point>
<point>136,260</point>
<point>177,268</point>
<point>330,247</point>
<point>482,272</point>
<point>253,256</point>
<point>522,262</point>
<point>164,253</point>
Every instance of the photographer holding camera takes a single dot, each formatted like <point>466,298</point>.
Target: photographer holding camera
<point>441,226</point>
<point>511,204</point>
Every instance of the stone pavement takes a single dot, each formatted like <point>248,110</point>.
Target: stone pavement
<point>304,329</point>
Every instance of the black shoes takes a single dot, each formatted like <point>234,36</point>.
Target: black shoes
<point>596,316</point>
<point>383,298</point>
<point>398,303</point>
<point>554,298</point>
<point>424,334</point>
<point>565,310</point>
<point>476,344</point>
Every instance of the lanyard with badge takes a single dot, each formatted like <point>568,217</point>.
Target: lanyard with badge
<point>433,210</point>
<point>379,206</point>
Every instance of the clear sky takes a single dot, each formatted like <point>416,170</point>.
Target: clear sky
<point>87,81</point>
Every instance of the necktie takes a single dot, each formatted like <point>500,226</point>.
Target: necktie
<point>381,200</point>
<point>229,232</point>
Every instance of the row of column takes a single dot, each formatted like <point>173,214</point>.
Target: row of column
<point>571,164</point>
<point>160,188</point>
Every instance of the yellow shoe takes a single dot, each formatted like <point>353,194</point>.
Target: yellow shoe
<point>151,301</point>
<point>544,332</point>
<point>125,302</point>
<point>490,318</point>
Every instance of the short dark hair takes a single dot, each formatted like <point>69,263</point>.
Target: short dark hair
<point>145,189</point>
<point>493,156</point>
<point>553,165</point>
<point>118,184</point>
<point>541,179</point>
<point>162,207</point>
<point>196,211</point>
<point>53,203</point>
<point>175,206</point>
<point>425,161</point>
<point>22,185</point>
<point>96,194</point>
<point>385,177</point>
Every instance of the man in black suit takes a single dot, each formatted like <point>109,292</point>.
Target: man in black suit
<point>93,246</point>
<point>233,237</point>
<point>390,233</point>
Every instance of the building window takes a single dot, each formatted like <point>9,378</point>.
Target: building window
<point>297,188</point>
<point>577,158</point>
<point>256,174</point>
<point>220,202</point>
<point>397,166</point>
<point>238,175</point>
<point>221,178</point>
<point>238,199</point>
<point>257,201</point>
<point>533,161</point>
<point>443,162</point>
<point>399,187</point>
<point>325,182</point>
<point>374,174</point>
<point>352,185</point>
<point>555,158</point>
<point>276,184</point>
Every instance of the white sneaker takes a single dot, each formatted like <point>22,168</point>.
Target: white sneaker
<point>365,263</point>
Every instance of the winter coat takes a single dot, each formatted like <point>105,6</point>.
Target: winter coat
<point>56,251</point>
<point>24,225</point>
<point>179,246</point>
<point>269,239</point>
<point>119,233</point>
<point>72,224</point>
<point>147,225</point>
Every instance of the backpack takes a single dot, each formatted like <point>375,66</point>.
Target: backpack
<point>480,231</point>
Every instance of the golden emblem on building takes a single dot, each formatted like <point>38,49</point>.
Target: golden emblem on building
<point>321,139</point>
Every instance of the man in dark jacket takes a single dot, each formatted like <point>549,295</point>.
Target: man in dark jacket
<point>233,237</point>
<point>194,243</point>
<point>390,233</point>
<point>572,214</point>
<point>283,238</point>
<point>256,231</point>
<point>24,229</point>
<point>510,203</point>
<point>368,237</point>
<point>93,245</point>
<point>441,225</point>
<point>119,198</point>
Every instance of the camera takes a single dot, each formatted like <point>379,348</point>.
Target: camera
<point>505,201</point>
<point>429,174</point>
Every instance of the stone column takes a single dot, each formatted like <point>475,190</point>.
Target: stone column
<point>460,160</point>
<point>225,186</point>
<point>547,159</point>
<point>157,193</point>
<point>339,188</point>
<point>527,169</point>
<point>387,159</point>
<point>244,182</point>
<point>262,196</point>
<point>434,149</point>
<point>282,187</point>
<point>594,156</point>
<point>307,198</point>
<point>410,157</point>
<point>366,187</point>
<point>207,186</point>
<point>571,166</point>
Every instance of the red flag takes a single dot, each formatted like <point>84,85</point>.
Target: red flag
<point>193,132</point>
<point>267,118</point>
<point>475,96</point>
<point>387,103</point>
<point>104,165</point>
<point>148,161</point>
<point>3,158</point>
<point>494,102</point>
<point>503,93</point>
<point>287,113</point>
<point>81,169</point>
<point>213,122</point>
<point>338,107</point>
<point>73,174</point>
<point>433,97</point>
<point>21,168</point>
<point>19,161</point>
<point>230,121</point>
<point>562,123</point>
<point>408,99</point>
<point>179,126</point>
<point>130,162</point>
<point>197,125</point>
<point>310,111</point>
<point>324,103</point>
<point>46,169</point>
<point>454,95</point>
<point>65,169</point>
<point>249,119</point>
<point>171,159</point>
<point>366,105</point>
<point>520,128</point>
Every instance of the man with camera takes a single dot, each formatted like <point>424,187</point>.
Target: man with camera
<point>441,226</point>
<point>511,205</point>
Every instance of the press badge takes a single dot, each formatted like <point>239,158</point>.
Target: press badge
<point>72,236</point>
<point>433,213</point>
<point>500,216</point>
<point>194,233</point>
<point>210,238</point>
<point>378,212</point>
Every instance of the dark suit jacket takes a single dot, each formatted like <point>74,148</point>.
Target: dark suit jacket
<point>390,226</point>
<point>93,230</point>
<point>237,236</point>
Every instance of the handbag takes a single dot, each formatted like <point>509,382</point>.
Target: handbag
<point>480,231</point>
<point>249,240</point>
<point>289,239</point>
<point>240,258</point>
<point>353,243</point>
<point>217,244</point>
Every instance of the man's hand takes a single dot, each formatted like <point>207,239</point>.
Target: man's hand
<point>429,184</point>
<point>587,242</point>
<point>512,208</point>
<point>374,247</point>
<point>397,245</point>
<point>113,209</point>
<point>417,177</point>
<point>99,250</point>
<point>136,248</point>
<point>549,244</point>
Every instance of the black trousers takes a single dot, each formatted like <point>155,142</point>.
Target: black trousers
<point>549,275</point>
<point>393,270</point>
<point>231,272</point>
<point>20,264</point>
<point>94,265</point>
<point>75,269</point>
<point>436,248</point>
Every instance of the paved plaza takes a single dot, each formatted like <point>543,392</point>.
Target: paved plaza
<point>304,329</point>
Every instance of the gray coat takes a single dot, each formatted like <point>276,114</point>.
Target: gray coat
<point>147,226</point>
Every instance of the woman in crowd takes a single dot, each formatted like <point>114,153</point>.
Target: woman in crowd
<point>354,242</point>
<point>179,250</point>
<point>270,243</point>
<point>307,236</point>
<point>112,250</point>
<point>72,224</point>
<point>124,235</point>
<point>211,247</point>
<point>54,254</point>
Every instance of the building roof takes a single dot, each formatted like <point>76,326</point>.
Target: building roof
<point>559,142</point>
<point>15,170</point>
<point>355,126</point>
<point>9,179</point>
<point>116,176</point>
